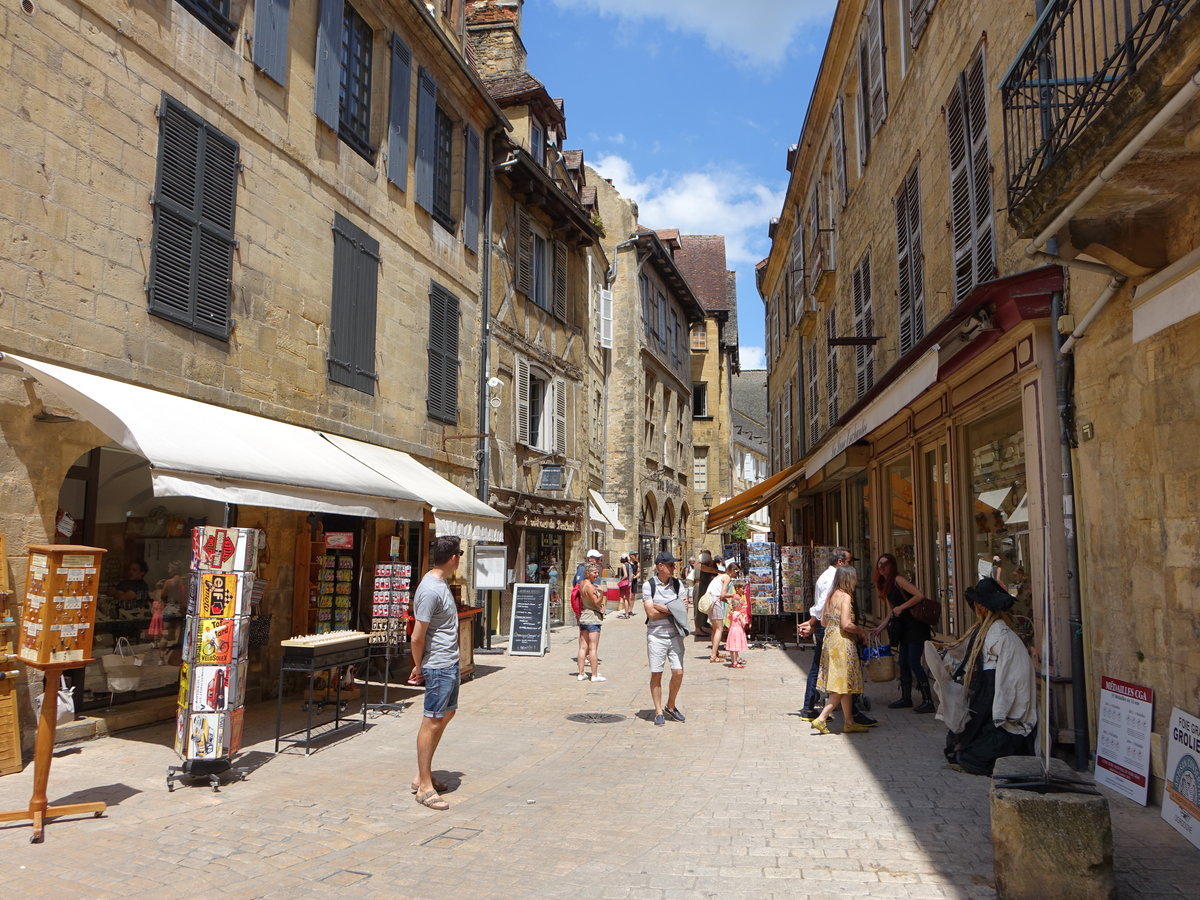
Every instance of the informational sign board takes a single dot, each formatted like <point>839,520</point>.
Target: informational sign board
<point>1181,799</point>
<point>1123,738</point>
<point>529,630</point>
<point>491,564</point>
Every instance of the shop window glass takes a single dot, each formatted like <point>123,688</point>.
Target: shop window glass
<point>999,510</point>
<point>858,537</point>
<point>898,516</point>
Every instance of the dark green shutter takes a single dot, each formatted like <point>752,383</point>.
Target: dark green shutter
<point>327,81</point>
<point>426,138</point>
<point>353,307</point>
<point>397,152</point>
<point>271,38</point>
<point>471,192</point>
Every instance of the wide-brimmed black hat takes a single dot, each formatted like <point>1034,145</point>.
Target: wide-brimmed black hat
<point>990,594</point>
<point>665,557</point>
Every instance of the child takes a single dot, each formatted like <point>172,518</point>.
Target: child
<point>736,622</point>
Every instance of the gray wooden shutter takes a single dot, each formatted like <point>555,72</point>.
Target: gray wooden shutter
<point>864,369</point>
<point>271,38</point>
<point>862,107</point>
<point>960,191</point>
<point>442,403</point>
<point>426,139</point>
<point>328,76</point>
<point>471,191</point>
<point>904,298</point>
<point>524,253</point>
<point>983,218</point>
<point>814,395</point>
<point>560,416</point>
<point>839,151</point>
<point>522,400</point>
<point>560,280</point>
<point>918,18</point>
<point>916,254</point>
<point>831,373</point>
<point>353,308</point>
<point>191,263</point>
<point>398,106</point>
<point>875,65</point>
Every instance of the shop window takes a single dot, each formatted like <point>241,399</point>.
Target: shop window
<point>898,516</point>
<point>972,223</point>
<point>352,326</point>
<point>195,199</point>
<point>442,401</point>
<point>342,88</point>
<point>999,511</point>
<point>215,15</point>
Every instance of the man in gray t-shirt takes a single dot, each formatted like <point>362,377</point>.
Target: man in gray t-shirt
<point>435,662</point>
<point>666,626</point>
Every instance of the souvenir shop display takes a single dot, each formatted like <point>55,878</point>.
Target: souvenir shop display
<point>763,586</point>
<point>390,605</point>
<point>791,578</point>
<point>212,678</point>
<point>56,634</point>
<point>335,582</point>
<point>312,653</point>
<point>10,726</point>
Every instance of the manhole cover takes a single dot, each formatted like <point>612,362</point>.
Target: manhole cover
<point>595,718</point>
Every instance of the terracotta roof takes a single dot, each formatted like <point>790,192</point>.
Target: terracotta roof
<point>573,159</point>
<point>521,87</point>
<point>667,234</point>
<point>701,258</point>
<point>587,197</point>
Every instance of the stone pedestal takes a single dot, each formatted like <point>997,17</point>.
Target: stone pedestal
<point>1049,844</point>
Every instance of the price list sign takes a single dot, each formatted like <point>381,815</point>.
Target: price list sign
<point>1181,799</point>
<point>1123,738</point>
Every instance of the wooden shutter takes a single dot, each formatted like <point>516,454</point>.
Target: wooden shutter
<point>862,105</point>
<point>398,107</point>
<point>471,191</point>
<point>876,68</point>
<point>916,253</point>
<point>426,139</point>
<point>191,265</point>
<point>328,76</point>
<point>353,307</point>
<point>960,191</point>
<point>271,38</point>
<point>814,397</point>
<point>918,18</point>
<point>983,217</point>
<point>831,368</point>
<point>787,425</point>
<point>606,319</point>
<point>904,298</point>
<point>839,152</point>
<point>444,360</point>
<point>524,253</point>
<point>864,369</point>
<point>560,280</point>
<point>522,400</point>
<point>560,416</point>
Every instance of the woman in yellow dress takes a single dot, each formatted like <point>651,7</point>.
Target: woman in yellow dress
<point>840,675</point>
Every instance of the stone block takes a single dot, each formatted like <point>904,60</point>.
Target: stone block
<point>1049,844</point>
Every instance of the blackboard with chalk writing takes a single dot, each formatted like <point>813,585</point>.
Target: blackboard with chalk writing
<point>529,630</point>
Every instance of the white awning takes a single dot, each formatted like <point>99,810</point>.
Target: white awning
<point>901,392</point>
<point>198,449</point>
<point>599,510</point>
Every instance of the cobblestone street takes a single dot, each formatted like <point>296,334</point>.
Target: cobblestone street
<point>738,801</point>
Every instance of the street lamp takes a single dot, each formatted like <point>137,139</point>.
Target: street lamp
<point>707,499</point>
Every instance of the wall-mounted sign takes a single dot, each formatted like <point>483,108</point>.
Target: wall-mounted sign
<point>491,563</point>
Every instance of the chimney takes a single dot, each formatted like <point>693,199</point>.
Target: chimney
<point>494,32</point>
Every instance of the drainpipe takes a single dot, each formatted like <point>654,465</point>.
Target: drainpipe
<point>485,340</point>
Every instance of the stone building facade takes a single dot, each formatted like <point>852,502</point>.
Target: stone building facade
<point>918,359</point>
<point>192,206</point>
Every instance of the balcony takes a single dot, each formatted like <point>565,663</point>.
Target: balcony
<point>1090,77</point>
<point>821,261</point>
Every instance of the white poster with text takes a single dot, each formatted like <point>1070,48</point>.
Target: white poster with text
<point>1181,799</point>
<point>1123,738</point>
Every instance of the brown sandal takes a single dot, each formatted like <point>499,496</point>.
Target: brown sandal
<point>431,800</point>
<point>437,786</point>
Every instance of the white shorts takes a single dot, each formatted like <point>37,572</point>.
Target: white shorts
<point>664,648</point>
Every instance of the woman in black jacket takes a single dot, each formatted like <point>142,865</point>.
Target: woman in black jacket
<point>899,595</point>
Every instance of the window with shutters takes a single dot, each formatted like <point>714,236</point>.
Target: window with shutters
<point>443,172</point>
<point>814,399</point>
<point>195,199</point>
<point>435,140</point>
<point>786,449</point>
<point>910,262</point>
<point>831,366</point>
<point>972,221</point>
<point>676,340</point>
<point>699,332</point>
<point>442,402</point>
<point>777,436</point>
<point>660,320</point>
<point>651,428</point>
<point>647,306</point>
<point>598,423</point>
<point>352,316</point>
<point>700,469</point>
<point>839,154</point>
<point>864,324</point>
<point>918,18</point>
<point>541,267</point>
<point>700,400</point>
<point>541,271</point>
<point>606,318</point>
<point>215,15</point>
<point>795,276</point>
<point>537,141</point>
<point>680,433</point>
<point>541,409</point>
<point>354,119</point>
<point>270,40</point>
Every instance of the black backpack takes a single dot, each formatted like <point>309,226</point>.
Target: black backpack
<point>674,582</point>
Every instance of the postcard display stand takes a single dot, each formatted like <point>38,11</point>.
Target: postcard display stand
<point>389,622</point>
<point>763,588</point>
<point>212,682</point>
<point>56,634</point>
<point>10,725</point>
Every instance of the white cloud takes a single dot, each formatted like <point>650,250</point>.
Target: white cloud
<point>751,358</point>
<point>725,201</point>
<point>756,32</point>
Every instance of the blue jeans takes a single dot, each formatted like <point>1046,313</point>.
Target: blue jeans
<point>911,653</point>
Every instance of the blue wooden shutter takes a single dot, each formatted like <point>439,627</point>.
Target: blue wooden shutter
<point>271,38</point>
<point>327,82</point>
<point>352,314</point>
<point>471,192</point>
<point>397,153</point>
<point>426,138</point>
<point>442,401</point>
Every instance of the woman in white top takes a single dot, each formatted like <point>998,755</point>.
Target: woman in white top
<point>719,590</point>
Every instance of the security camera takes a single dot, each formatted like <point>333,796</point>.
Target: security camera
<point>494,382</point>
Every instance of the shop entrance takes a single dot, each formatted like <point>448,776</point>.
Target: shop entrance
<point>939,546</point>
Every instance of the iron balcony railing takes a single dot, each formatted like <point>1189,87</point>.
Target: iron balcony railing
<point>1080,53</point>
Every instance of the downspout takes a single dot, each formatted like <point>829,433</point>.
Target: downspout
<point>485,340</point>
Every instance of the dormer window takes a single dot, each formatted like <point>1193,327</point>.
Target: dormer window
<point>537,142</point>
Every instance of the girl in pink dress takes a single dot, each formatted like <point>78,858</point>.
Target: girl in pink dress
<point>735,638</point>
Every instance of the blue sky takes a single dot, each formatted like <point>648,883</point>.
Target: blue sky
<point>689,106</point>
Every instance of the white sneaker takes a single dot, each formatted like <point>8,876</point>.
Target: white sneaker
<point>582,677</point>
<point>599,678</point>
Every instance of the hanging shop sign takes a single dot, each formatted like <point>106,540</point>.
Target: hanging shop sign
<point>339,540</point>
<point>1181,799</point>
<point>1123,738</point>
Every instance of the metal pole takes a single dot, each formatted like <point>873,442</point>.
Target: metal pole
<point>485,410</point>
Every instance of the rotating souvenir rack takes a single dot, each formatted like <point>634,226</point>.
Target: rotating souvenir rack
<point>212,682</point>
<point>762,589</point>
<point>389,623</point>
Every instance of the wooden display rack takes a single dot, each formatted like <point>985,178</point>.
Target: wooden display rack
<point>10,725</point>
<point>58,571</point>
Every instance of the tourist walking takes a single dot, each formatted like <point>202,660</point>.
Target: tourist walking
<point>666,627</point>
<point>591,618</point>
<point>840,676</point>
<point>899,595</point>
<point>625,588</point>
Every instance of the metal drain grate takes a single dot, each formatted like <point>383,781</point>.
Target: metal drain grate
<point>451,838</point>
<point>595,718</point>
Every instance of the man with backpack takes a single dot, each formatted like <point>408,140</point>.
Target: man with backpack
<point>666,627</point>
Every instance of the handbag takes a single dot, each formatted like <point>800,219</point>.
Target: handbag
<point>624,584</point>
<point>706,603</point>
<point>66,702</point>
<point>878,662</point>
<point>927,611</point>
<point>122,669</point>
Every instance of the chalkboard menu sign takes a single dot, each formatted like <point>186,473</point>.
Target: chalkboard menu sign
<point>529,630</point>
